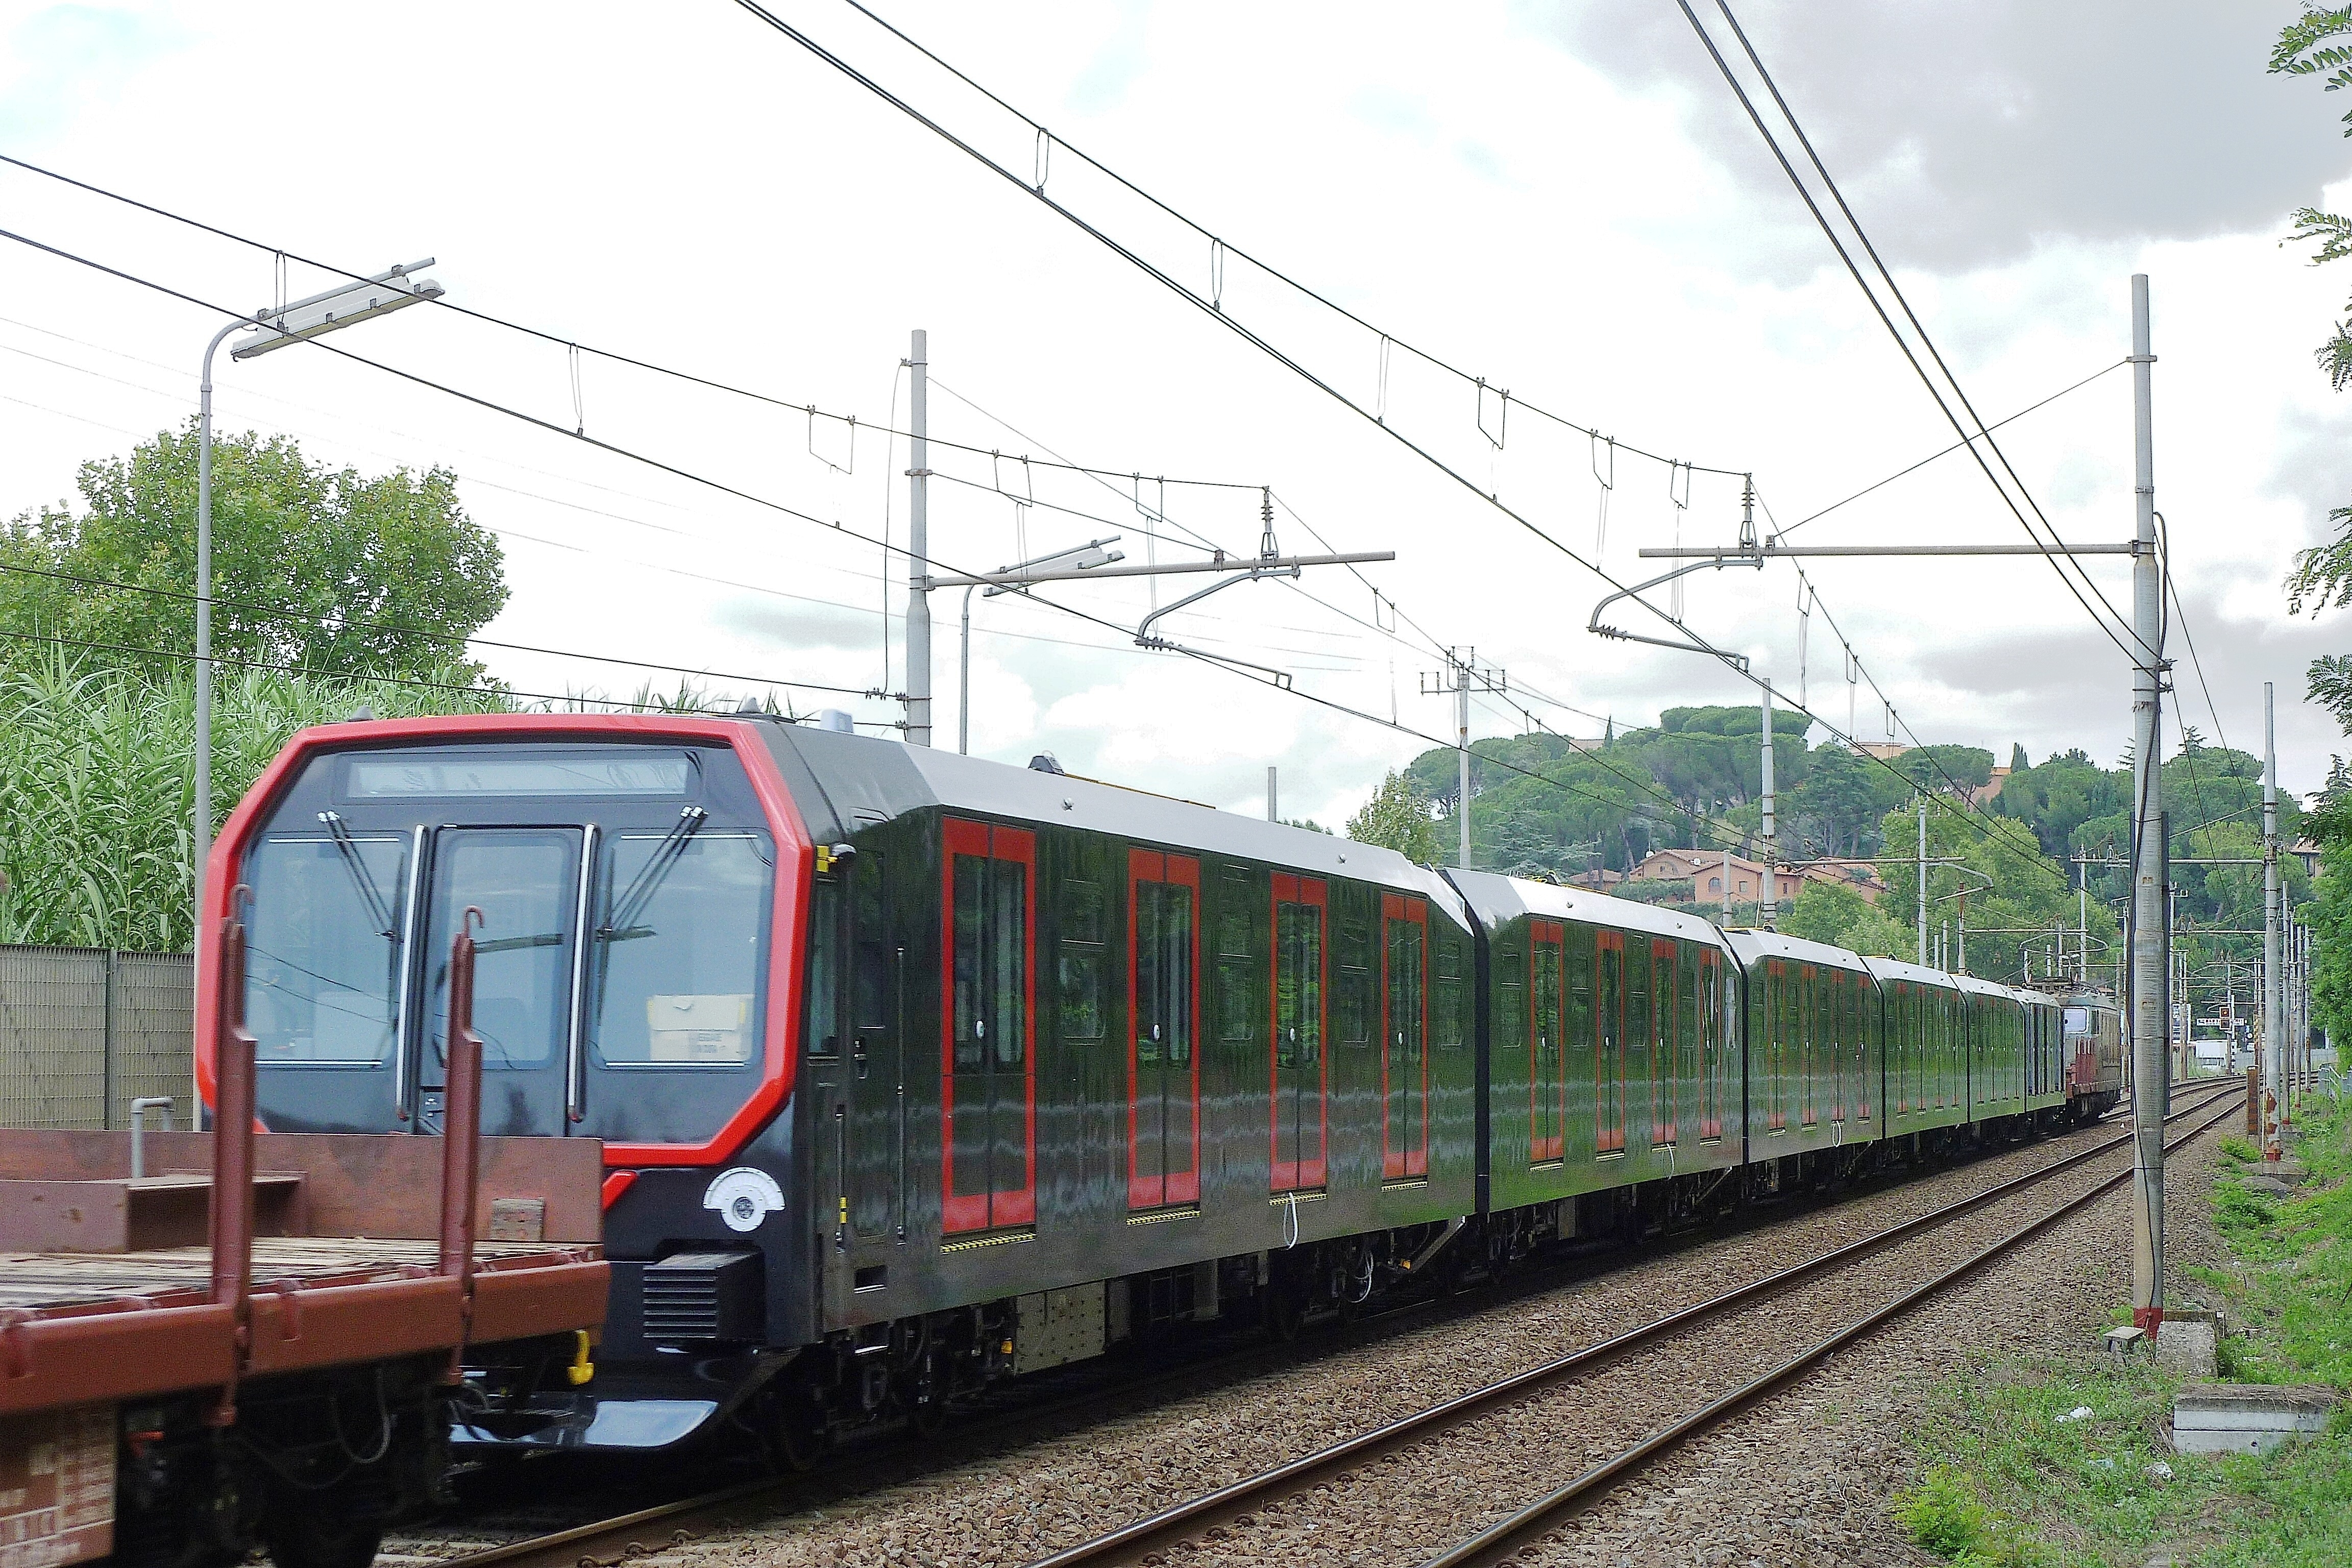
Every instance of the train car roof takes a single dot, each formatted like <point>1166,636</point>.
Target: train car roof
<point>1496,899</point>
<point>1751,945</point>
<point>1917,974</point>
<point>862,780</point>
<point>1976,987</point>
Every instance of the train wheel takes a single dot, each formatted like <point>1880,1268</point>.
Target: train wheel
<point>312,1533</point>
<point>1282,1305</point>
<point>927,1406</point>
<point>799,1435</point>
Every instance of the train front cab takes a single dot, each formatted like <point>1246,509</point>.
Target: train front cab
<point>1612,1058</point>
<point>1815,1058</point>
<point>637,885</point>
<point>1927,1067</point>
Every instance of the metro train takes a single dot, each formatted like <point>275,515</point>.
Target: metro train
<point>915,1072</point>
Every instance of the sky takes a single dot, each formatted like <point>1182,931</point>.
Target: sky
<point>1563,203</point>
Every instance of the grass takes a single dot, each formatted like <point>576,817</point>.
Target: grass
<point>97,802</point>
<point>2014,1477</point>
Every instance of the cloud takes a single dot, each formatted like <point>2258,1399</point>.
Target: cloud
<point>1973,135</point>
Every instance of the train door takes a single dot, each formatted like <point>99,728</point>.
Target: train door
<point>526,883</point>
<point>1809,1025</point>
<point>1301,1070</point>
<point>988,1076</point>
<point>1546,1084</point>
<point>1666,1040</point>
<point>1576,1067</point>
<point>1711,1015</point>
<point>1608,1043</point>
<point>1404,1021</point>
<point>877,1058</point>
<point>1163,1064</point>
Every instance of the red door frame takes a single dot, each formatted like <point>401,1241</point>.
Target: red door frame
<point>1605,1140</point>
<point>1544,934</point>
<point>994,1209</point>
<point>1297,1174</point>
<point>1396,1163</point>
<point>1181,871</point>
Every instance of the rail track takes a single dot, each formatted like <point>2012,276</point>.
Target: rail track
<point>672,1523</point>
<point>1214,1515</point>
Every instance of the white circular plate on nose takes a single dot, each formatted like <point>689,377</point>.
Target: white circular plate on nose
<point>744,1196</point>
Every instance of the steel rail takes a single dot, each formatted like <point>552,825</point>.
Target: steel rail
<point>1504,1537</point>
<point>624,1536</point>
<point>1134,1539</point>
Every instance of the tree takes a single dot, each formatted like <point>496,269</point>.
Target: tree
<point>330,571</point>
<point>1397,817</point>
<point>1822,911</point>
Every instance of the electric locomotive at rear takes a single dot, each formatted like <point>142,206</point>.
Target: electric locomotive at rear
<point>914,1071</point>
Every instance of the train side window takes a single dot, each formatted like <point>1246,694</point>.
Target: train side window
<point>1081,962</point>
<point>823,1029</point>
<point>1355,986</point>
<point>1510,994</point>
<point>870,940</point>
<point>1445,1009</point>
<point>1239,961</point>
<point>1580,988</point>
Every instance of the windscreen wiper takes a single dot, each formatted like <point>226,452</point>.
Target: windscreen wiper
<point>632,904</point>
<point>371,897</point>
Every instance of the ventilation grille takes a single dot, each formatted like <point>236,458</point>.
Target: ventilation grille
<point>702,1296</point>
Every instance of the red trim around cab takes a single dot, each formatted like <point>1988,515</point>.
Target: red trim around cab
<point>796,866</point>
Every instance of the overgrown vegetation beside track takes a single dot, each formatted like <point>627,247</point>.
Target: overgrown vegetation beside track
<point>97,830</point>
<point>2014,1476</point>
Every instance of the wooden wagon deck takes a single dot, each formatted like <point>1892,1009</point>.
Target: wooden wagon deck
<point>354,1273</point>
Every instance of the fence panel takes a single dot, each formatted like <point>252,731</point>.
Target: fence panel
<point>152,1032</point>
<point>53,1005</point>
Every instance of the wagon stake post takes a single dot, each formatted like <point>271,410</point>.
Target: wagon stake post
<point>461,1130</point>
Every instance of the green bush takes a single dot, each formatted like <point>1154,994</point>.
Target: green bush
<point>1944,1516</point>
<point>2236,1148</point>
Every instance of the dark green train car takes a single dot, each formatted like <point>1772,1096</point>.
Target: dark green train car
<point>1927,1065</point>
<point>1612,1052</point>
<point>1815,1046</point>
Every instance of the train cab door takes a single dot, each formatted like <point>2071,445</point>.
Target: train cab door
<point>877,1068</point>
<point>526,882</point>
<point>1301,1068</point>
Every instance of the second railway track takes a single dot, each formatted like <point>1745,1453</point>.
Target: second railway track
<point>1414,1482</point>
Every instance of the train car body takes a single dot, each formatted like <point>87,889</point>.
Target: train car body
<point>1612,1050</point>
<point>914,1071</point>
<point>1815,1045</point>
<point>2090,1046</point>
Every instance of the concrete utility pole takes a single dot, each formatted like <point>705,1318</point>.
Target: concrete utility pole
<point>2151,937</point>
<point>1923,880</point>
<point>1270,813</point>
<point>2274,1033</point>
<point>918,546</point>
<point>1463,674</point>
<point>1770,909</point>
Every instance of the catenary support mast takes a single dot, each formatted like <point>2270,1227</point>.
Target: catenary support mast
<point>2274,1031</point>
<point>2150,936</point>
<point>919,545</point>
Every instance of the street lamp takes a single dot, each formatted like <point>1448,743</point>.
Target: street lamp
<point>340,307</point>
<point>1076,558</point>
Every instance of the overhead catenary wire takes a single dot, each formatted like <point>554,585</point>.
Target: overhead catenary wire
<point>1853,269</point>
<point>1227,319</point>
<point>573,349</point>
<point>674,470</point>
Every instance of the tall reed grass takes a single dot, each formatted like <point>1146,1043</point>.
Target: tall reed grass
<point>97,798</point>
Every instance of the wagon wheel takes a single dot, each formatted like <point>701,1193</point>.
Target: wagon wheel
<point>800,1435</point>
<point>311,1534</point>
